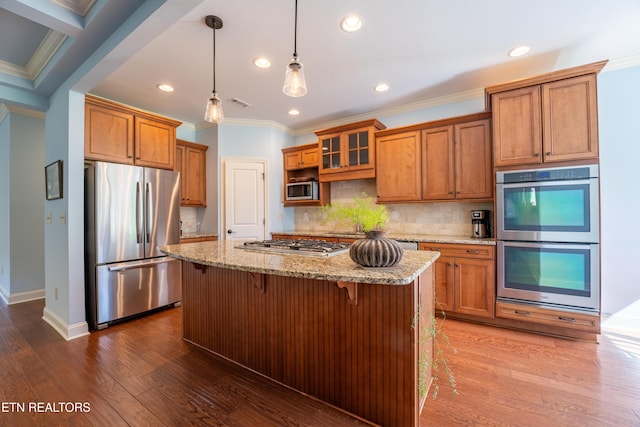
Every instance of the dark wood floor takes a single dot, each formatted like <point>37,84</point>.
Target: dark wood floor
<point>141,373</point>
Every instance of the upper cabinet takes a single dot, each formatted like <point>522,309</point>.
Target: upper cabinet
<point>121,134</point>
<point>548,118</point>
<point>348,152</point>
<point>191,162</point>
<point>443,160</point>
<point>301,165</point>
<point>301,157</point>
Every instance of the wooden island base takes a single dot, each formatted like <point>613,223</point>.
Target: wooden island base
<point>353,345</point>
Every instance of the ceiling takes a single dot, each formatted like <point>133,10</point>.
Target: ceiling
<point>424,50</point>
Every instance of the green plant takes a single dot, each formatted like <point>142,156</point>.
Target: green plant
<point>363,212</point>
<point>439,364</point>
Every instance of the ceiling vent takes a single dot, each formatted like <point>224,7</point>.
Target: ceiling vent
<point>240,102</point>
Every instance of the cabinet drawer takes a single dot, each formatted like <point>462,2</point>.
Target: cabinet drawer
<point>565,319</point>
<point>459,250</point>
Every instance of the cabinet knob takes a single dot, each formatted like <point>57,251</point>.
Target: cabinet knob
<point>548,153</point>
<point>537,154</point>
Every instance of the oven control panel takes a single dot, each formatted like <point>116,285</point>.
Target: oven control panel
<point>536,175</point>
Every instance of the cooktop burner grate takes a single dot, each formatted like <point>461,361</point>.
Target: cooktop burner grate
<point>297,246</point>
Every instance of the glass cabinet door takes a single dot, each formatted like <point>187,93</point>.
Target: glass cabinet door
<point>358,148</point>
<point>331,152</point>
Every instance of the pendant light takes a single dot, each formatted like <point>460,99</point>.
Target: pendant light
<point>294,82</point>
<point>214,113</point>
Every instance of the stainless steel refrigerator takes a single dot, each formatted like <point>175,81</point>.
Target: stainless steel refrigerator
<point>130,212</point>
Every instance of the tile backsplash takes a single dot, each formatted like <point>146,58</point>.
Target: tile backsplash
<point>445,218</point>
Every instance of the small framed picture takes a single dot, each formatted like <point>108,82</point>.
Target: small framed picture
<point>53,180</point>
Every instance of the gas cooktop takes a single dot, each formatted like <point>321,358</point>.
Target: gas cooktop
<point>297,246</point>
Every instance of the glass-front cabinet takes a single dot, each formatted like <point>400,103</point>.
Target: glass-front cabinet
<point>347,152</point>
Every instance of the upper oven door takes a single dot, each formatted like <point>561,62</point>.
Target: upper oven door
<point>551,211</point>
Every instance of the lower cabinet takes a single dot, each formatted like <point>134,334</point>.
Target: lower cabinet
<point>549,317</point>
<point>464,278</point>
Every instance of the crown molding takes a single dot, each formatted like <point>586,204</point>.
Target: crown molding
<point>81,7</point>
<point>49,46</point>
<point>620,63</point>
<point>401,109</point>
<point>247,123</point>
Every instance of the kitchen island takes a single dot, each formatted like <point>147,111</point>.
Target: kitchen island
<point>357,338</point>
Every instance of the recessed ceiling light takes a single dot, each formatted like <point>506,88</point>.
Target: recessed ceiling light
<point>262,62</point>
<point>518,51</point>
<point>165,87</point>
<point>351,23</point>
<point>294,112</point>
<point>381,87</point>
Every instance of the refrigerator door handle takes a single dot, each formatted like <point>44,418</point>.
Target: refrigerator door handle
<point>138,214</point>
<point>147,210</point>
<point>145,264</point>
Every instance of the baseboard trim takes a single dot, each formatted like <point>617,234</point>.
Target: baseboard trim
<point>68,332</point>
<point>25,296</point>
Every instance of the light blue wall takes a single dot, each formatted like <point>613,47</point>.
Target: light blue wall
<point>261,143</point>
<point>21,204</point>
<point>5,192</point>
<point>27,202</point>
<point>619,112</point>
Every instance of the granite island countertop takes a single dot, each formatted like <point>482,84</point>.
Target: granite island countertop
<point>336,268</point>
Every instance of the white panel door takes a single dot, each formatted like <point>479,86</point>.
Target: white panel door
<point>244,199</point>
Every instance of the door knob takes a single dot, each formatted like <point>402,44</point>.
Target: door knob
<point>229,231</point>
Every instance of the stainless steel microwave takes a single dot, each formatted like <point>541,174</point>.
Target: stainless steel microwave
<point>307,190</point>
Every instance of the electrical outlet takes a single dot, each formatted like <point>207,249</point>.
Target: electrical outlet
<point>63,218</point>
<point>49,217</point>
<point>55,293</point>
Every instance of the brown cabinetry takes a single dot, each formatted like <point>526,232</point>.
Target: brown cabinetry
<point>348,152</point>
<point>549,317</point>
<point>301,164</point>
<point>547,118</point>
<point>464,278</point>
<point>191,162</point>
<point>398,167</point>
<point>456,162</point>
<point>301,158</point>
<point>121,134</point>
<point>443,160</point>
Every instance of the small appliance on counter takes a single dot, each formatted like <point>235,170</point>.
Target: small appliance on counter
<point>481,222</point>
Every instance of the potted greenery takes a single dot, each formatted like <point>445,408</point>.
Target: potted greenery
<point>375,250</point>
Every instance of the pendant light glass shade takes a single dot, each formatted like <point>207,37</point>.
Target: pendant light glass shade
<point>214,112</point>
<point>294,83</point>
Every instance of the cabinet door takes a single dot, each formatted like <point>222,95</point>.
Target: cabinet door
<point>438,164</point>
<point>570,119</point>
<point>179,166</point>
<point>155,144</point>
<point>474,285</point>
<point>108,135</point>
<point>443,284</point>
<point>195,177</point>
<point>331,148</point>
<point>358,149</point>
<point>474,178</point>
<point>517,127</point>
<point>309,158</point>
<point>293,160</point>
<point>398,167</point>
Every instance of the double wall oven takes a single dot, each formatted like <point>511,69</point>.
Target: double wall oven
<point>547,228</point>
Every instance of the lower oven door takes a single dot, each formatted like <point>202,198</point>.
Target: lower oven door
<point>563,274</point>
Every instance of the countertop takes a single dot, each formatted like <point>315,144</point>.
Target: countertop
<point>406,237</point>
<point>336,268</point>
